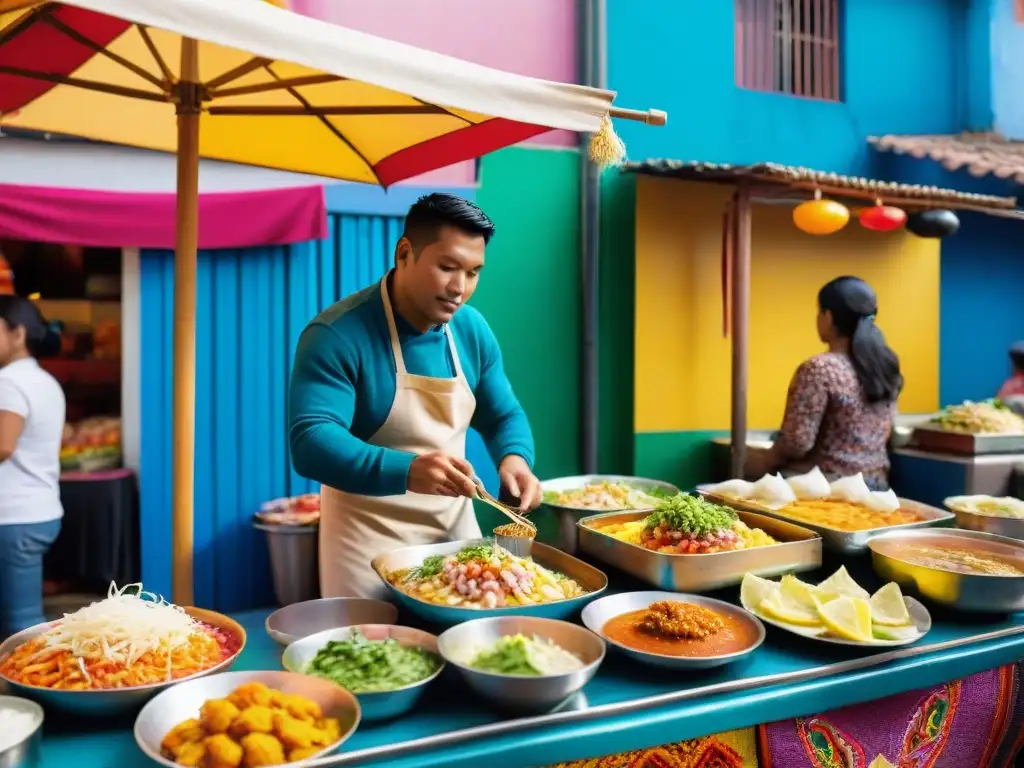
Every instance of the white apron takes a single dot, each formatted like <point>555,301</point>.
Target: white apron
<point>428,414</point>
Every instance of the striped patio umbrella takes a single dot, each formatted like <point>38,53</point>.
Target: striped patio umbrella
<point>248,82</point>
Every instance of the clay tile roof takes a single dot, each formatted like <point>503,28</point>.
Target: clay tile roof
<point>980,154</point>
<point>805,178</point>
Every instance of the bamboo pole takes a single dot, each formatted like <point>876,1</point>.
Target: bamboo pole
<point>185,264</point>
<point>740,325</point>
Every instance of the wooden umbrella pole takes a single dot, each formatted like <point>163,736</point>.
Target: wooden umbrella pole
<point>185,266</point>
<point>740,326</point>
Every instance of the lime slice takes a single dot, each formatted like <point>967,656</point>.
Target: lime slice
<point>784,609</point>
<point>894,633</point>
<point>848,618</point>
<point>888,608</point>
<point>754,590</point>
<point>841,583</point>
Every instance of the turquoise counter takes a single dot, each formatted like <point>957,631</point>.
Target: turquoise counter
<point>626,706</point>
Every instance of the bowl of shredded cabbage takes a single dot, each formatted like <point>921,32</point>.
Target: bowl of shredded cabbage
<point>523,663</point>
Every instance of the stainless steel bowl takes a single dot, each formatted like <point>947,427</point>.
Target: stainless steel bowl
<point>183,701</point>
<point>513,691</point>
<point>586,575</point>
<point>25,752</point>
<point>962,591</point>
<point>1011,527</point>
<point>600,612</point>
<point>117,700</point>
<point>311,617</point>
<point>375,706</point>
<point>556,525</point>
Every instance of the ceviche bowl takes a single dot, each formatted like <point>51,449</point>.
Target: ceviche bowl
<point>377,705</point>
<point>112,701</point>
<point>551,565</point>
<point>556,522</point>
<point>539,692</point>
<point>183,702</point>
<point>311,617</point>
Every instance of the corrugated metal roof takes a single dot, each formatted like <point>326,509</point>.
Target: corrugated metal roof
<point>807,178</point>
<point>980,154</point>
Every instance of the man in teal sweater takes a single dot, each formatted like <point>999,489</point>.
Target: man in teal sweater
<point>386,384</point>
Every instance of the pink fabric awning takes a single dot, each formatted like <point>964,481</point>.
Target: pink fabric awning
<point>101,218</point>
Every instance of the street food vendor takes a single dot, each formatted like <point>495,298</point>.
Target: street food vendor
<point>841,404</point>
<point>386,383</point>
<point>1012,391</point>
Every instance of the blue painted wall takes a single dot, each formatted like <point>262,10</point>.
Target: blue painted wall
<point>1007,40</point>
<point>252,306</point>
<point>904,70</point>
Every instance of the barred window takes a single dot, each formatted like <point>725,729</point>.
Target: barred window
<point>788,46</point>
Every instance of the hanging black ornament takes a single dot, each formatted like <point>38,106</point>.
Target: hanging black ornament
<point>937,224</point>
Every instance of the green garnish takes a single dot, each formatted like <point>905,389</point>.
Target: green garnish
<point>525,656</point>
<point>430,567</point>
<point>372,666</point>
<point>690,514</point>
<point>478,552</point>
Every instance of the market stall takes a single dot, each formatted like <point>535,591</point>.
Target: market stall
<point>846,220</point>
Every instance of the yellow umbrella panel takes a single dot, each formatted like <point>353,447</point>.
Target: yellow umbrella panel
<point>271,89</point>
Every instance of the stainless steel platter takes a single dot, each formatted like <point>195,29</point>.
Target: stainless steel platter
<point>114,700</point>
<point>1011,527</point>
<point>586,575</point>
<point>518,692</point>
<point>556,525</point>
<point>961,591</point>
<point>845,542</point>
<point>299,620</point>
<point>945,441</point>
<point>799,550</point>
<point>599,612</point>
<point>380,705</point>
<point>182,702</point>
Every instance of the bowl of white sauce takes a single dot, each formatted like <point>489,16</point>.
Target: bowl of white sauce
<point>21,731</point>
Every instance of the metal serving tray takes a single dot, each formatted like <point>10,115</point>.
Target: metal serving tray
<point>845,542</point>
<point>556,525</point>
<point>945,441</point>
<point>586,575</point>
<point>799,550</point>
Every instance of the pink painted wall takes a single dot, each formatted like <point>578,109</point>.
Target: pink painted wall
<point>528,37</point>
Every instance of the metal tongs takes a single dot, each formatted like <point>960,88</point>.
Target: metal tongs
<point>505,509</point>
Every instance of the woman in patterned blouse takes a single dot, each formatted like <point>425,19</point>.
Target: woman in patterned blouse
<point>842,403</point>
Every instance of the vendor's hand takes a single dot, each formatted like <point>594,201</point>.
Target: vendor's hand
<point>438,474</point>
<point>518,478</point>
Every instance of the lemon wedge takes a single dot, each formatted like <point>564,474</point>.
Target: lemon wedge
<point>782,608</point>
<point>754,590</point>
<point>842,583</point>
<point>888,608</point>
<point>848,618</point>
<point>881,762</point>
<point>803,593</point>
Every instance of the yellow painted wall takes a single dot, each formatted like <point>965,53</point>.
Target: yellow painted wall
<point>682,364</point>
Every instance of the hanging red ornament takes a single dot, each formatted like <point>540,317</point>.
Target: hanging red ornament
<point>882,218</point>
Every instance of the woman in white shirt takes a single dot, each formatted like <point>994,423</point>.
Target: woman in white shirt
<point>31,426</point>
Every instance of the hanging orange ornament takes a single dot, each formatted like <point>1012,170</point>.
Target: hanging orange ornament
<point>882,218</point>
<point>820,217</point>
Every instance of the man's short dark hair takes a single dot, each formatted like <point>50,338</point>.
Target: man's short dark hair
<point>431,212</point>
<point>1017,355</point>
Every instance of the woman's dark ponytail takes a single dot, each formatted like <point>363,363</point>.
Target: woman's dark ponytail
<point>877,366</point>
<point>853,306</point>
<point>42,339</point>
